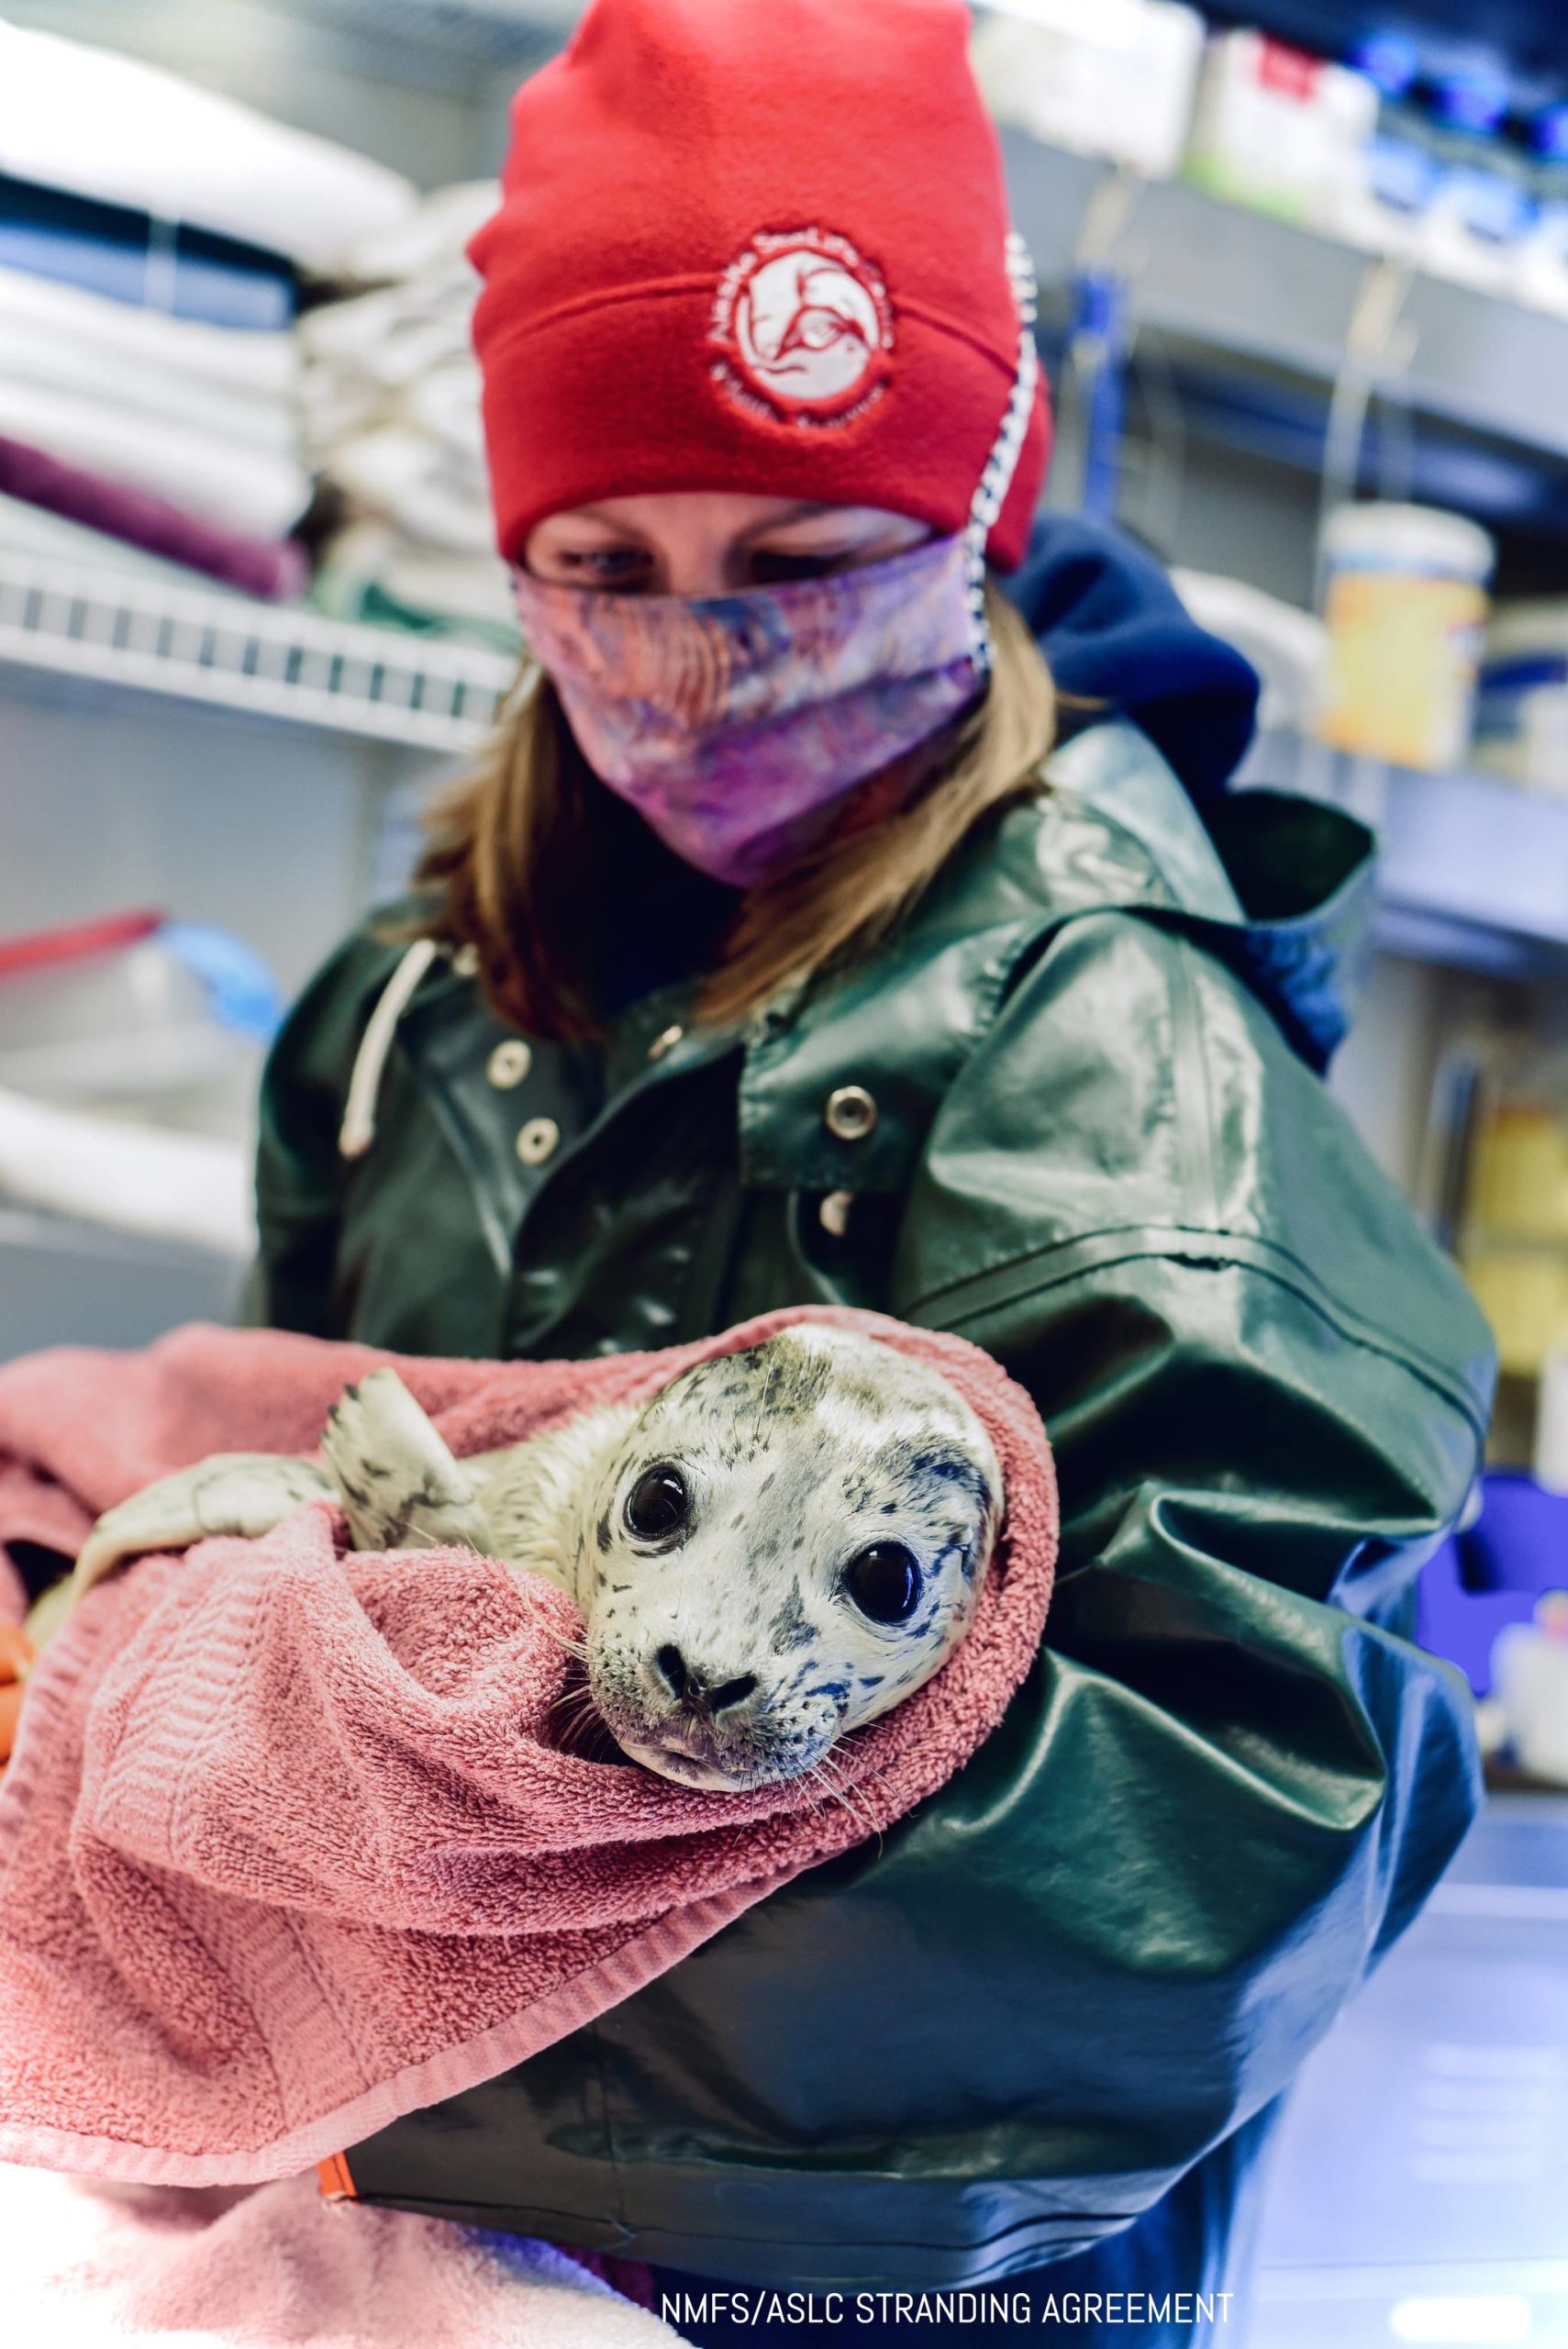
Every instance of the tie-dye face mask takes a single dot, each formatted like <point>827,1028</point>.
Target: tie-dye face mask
<point>736,724</point>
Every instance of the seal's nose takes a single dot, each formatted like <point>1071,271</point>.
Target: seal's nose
<point>695,1694</point>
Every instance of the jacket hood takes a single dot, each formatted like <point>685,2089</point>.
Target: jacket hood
<point>1304,875</point>
<point>1280,887</point>
<point>1114,631</point>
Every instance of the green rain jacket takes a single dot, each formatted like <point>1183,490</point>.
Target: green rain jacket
<point>1095,1143</point>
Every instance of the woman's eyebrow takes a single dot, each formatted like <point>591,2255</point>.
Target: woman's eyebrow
<point>806,512</point>
<point>610,521</point>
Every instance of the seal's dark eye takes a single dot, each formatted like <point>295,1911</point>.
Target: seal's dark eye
<point>885,1582</point>
<point>657,1502</point>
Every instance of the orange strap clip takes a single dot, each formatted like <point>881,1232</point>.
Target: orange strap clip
<point>336,2184</point>
<point>17,1656</point>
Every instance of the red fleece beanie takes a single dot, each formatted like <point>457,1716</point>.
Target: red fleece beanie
<point>760,245</point>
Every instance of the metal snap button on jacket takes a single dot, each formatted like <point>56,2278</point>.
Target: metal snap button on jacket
<point>666,1039</point>
<point>536,1140</point>
<point>850,1113</point>
<point>508,1063</point>
<point>465,961</point>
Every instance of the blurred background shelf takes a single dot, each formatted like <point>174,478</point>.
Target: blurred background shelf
<point>1414,2189</point>
<point>1472,870</point>
<point>423,84</point>
<point>1533,33</point>
<point>1225,281</point>
<point>270,661</point>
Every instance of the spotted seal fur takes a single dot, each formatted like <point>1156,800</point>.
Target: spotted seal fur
<point>779,1545</point>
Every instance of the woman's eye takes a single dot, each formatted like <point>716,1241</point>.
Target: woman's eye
<point>657,1502</point>
<point>885,1582</point>
<point>619,567</point>
<point>772,569</point>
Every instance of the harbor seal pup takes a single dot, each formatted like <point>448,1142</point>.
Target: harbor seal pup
<point>776,1547</point>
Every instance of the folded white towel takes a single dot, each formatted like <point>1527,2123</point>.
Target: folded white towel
<point>429,239</point>
<point>110,126</point>
<point>265,366</point>
<point>455,587</point>
<point>394,335</point>
<point>50,358</point>
<point>445,404</point>
<point>419,483</point>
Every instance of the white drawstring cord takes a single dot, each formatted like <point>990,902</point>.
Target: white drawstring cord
<point>357,1131</point>
<point>996,476</point>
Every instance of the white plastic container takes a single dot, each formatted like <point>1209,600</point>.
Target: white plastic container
<point>1521,718</point>
<point>1550,1464</point>
<point>1539,276</point>
<point>1384,203</point>
<point>1529,1679</point>
<point>1483,210</point>
<point>128,1032</point>
<point>1404,601</point>
<point>1113,78</point>
<point>1278,129</point>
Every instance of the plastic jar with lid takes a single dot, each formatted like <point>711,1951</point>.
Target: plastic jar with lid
<point>1405,604</point>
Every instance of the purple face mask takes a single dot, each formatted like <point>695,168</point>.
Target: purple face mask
<point>736,724</point>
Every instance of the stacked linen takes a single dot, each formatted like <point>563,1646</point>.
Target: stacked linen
<point>391,408</point>
<point>151,238</point>
<point>170,433</point>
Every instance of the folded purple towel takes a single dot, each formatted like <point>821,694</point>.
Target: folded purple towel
<point>275,569</point>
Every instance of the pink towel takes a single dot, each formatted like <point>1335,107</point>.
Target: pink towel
<point>288,1844</point>
<point>184,2267</point>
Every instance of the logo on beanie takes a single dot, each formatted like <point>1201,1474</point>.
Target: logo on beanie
<point>802,325</point>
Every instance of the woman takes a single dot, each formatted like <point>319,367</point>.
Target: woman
<point>801,941</point>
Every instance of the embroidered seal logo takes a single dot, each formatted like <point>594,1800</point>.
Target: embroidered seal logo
<point>802,326</point>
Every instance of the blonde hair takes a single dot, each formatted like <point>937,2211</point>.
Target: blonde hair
<point>514,853</point>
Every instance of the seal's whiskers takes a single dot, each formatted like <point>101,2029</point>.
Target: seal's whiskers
<point>825,1771</point>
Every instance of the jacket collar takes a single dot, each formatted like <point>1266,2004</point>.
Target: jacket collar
<point>1278,887</point>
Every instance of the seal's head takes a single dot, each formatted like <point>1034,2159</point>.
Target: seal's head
<point>787,1542</point>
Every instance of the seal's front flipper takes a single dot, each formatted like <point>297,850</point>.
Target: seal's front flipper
<point>234,1492</point>
<point>400,1487</point>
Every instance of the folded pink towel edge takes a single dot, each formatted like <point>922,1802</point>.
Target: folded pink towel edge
<point>448,2073</point>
